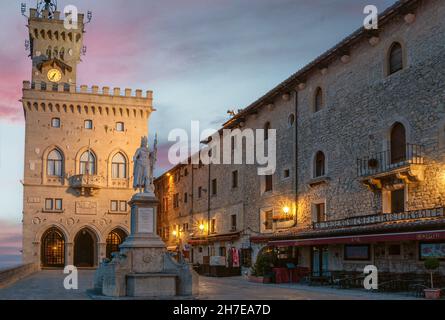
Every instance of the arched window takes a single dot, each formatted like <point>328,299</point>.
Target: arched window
<point>267,127</point>
<point>395,59</point>
<point>291,120</point>
<point>88,163</point>
<point>53,248</point>
<point>318,100</point>
<point>398,143</point>
<point>119,167</point>
<point>55,164</point>
<point>49,52</point>
<point>319,165</point>
<point>114,240</point>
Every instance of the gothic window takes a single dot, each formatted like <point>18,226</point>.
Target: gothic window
<point>395,62</point>
<point>319,165</point>
<point>318,100</point>
<point>56,52</point>
<point>119,167</point>
<point>55,164</point>
<point>62,54</point>
<point>88,163</point>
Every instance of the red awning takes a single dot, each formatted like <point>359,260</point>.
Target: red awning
<point>388,237</point>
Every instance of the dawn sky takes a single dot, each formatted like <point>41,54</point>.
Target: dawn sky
<point>200,57</point>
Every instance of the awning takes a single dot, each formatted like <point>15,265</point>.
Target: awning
<point>365,239</point>
<point>214,238</point>
<point>172,248</point>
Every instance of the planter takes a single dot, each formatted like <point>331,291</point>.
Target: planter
<point>259,279</point>
<point>432,294</point>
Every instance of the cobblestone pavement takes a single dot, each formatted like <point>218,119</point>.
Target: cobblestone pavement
<point>48,285</point>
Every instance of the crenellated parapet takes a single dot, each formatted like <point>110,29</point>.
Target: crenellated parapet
<point>84,89</point>
<point>44,97</point>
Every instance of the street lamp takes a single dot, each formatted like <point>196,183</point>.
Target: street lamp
<point>201,227</point>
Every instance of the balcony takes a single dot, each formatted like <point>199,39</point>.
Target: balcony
<point>386,168</point>
<point>87,185</point>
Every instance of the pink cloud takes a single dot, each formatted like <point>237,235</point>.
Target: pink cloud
<point>10,238</point>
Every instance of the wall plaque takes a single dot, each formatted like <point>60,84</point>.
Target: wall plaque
<point>33,200</point>
<point>86,208</point>
<point>145,220</point>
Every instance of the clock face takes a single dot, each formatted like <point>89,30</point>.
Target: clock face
<point>54,75</point>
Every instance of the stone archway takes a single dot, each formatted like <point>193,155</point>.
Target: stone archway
<point>114,239</point>
<point>53,249</point>
<point>85,249</point>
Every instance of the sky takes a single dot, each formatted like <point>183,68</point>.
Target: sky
<point>200,57</point>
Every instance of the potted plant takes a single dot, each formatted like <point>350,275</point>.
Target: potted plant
<point>432,264</point>
<point>261,272</point>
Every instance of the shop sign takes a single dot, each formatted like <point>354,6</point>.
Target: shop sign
<point>381,218</point>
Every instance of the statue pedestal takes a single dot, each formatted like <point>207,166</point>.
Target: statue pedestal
<point>144,247</point>
<point>143,268</point>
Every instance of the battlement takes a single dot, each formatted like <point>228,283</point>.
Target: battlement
<point>34,15</point>
<point>84,89</point>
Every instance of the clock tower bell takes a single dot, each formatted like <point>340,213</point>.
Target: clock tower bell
<point>56,43</point>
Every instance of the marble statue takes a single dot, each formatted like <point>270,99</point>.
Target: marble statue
<point>144,162</point>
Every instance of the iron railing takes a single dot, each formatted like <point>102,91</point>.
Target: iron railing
<point>386,161</point>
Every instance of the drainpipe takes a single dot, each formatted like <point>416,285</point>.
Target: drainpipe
<point>296,158</point>
<point>208,201</point>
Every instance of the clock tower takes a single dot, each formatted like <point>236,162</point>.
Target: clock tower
<point>79,143</point>
<point>56,42</point>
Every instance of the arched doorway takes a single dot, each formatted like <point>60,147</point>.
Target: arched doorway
<point>53,249</point>
<point>114,239</point>
<point>85,244</point>
<point>398,143</point>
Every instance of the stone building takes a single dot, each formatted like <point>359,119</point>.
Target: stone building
<point>78,152</point>
<point>368,129</point>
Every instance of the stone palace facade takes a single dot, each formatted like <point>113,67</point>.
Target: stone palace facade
<point>360,173</point>
<point>78,152</point>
